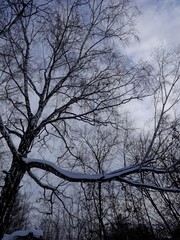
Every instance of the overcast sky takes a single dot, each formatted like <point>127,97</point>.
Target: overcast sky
<point>158,25</point>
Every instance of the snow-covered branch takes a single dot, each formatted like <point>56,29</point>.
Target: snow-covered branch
<point>117,175</point>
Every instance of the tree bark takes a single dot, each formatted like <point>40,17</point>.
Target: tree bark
<point>9,192</point>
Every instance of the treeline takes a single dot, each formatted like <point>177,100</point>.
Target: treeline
<point>110,210</point>
<point>129,214</point>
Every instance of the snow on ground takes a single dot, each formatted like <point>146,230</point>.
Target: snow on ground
<point>23,233</point>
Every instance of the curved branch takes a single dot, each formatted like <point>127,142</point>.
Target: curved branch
<point>150,186</point>
<point>117,175</point>
<point>35,178</point>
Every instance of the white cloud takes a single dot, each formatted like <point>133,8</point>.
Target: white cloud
<point>158,25</point>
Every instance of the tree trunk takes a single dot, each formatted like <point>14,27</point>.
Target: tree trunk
<point>9,192</point>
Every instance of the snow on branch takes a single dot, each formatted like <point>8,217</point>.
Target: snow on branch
<point>117,175</point>
<point>61,173</point>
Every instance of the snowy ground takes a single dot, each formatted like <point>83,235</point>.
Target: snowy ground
<point>23,233</point>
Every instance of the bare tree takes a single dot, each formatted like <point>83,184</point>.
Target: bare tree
<point>61,66</point>
<point>98,145</point>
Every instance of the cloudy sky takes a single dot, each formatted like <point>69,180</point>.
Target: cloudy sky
<point>158,25</point>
